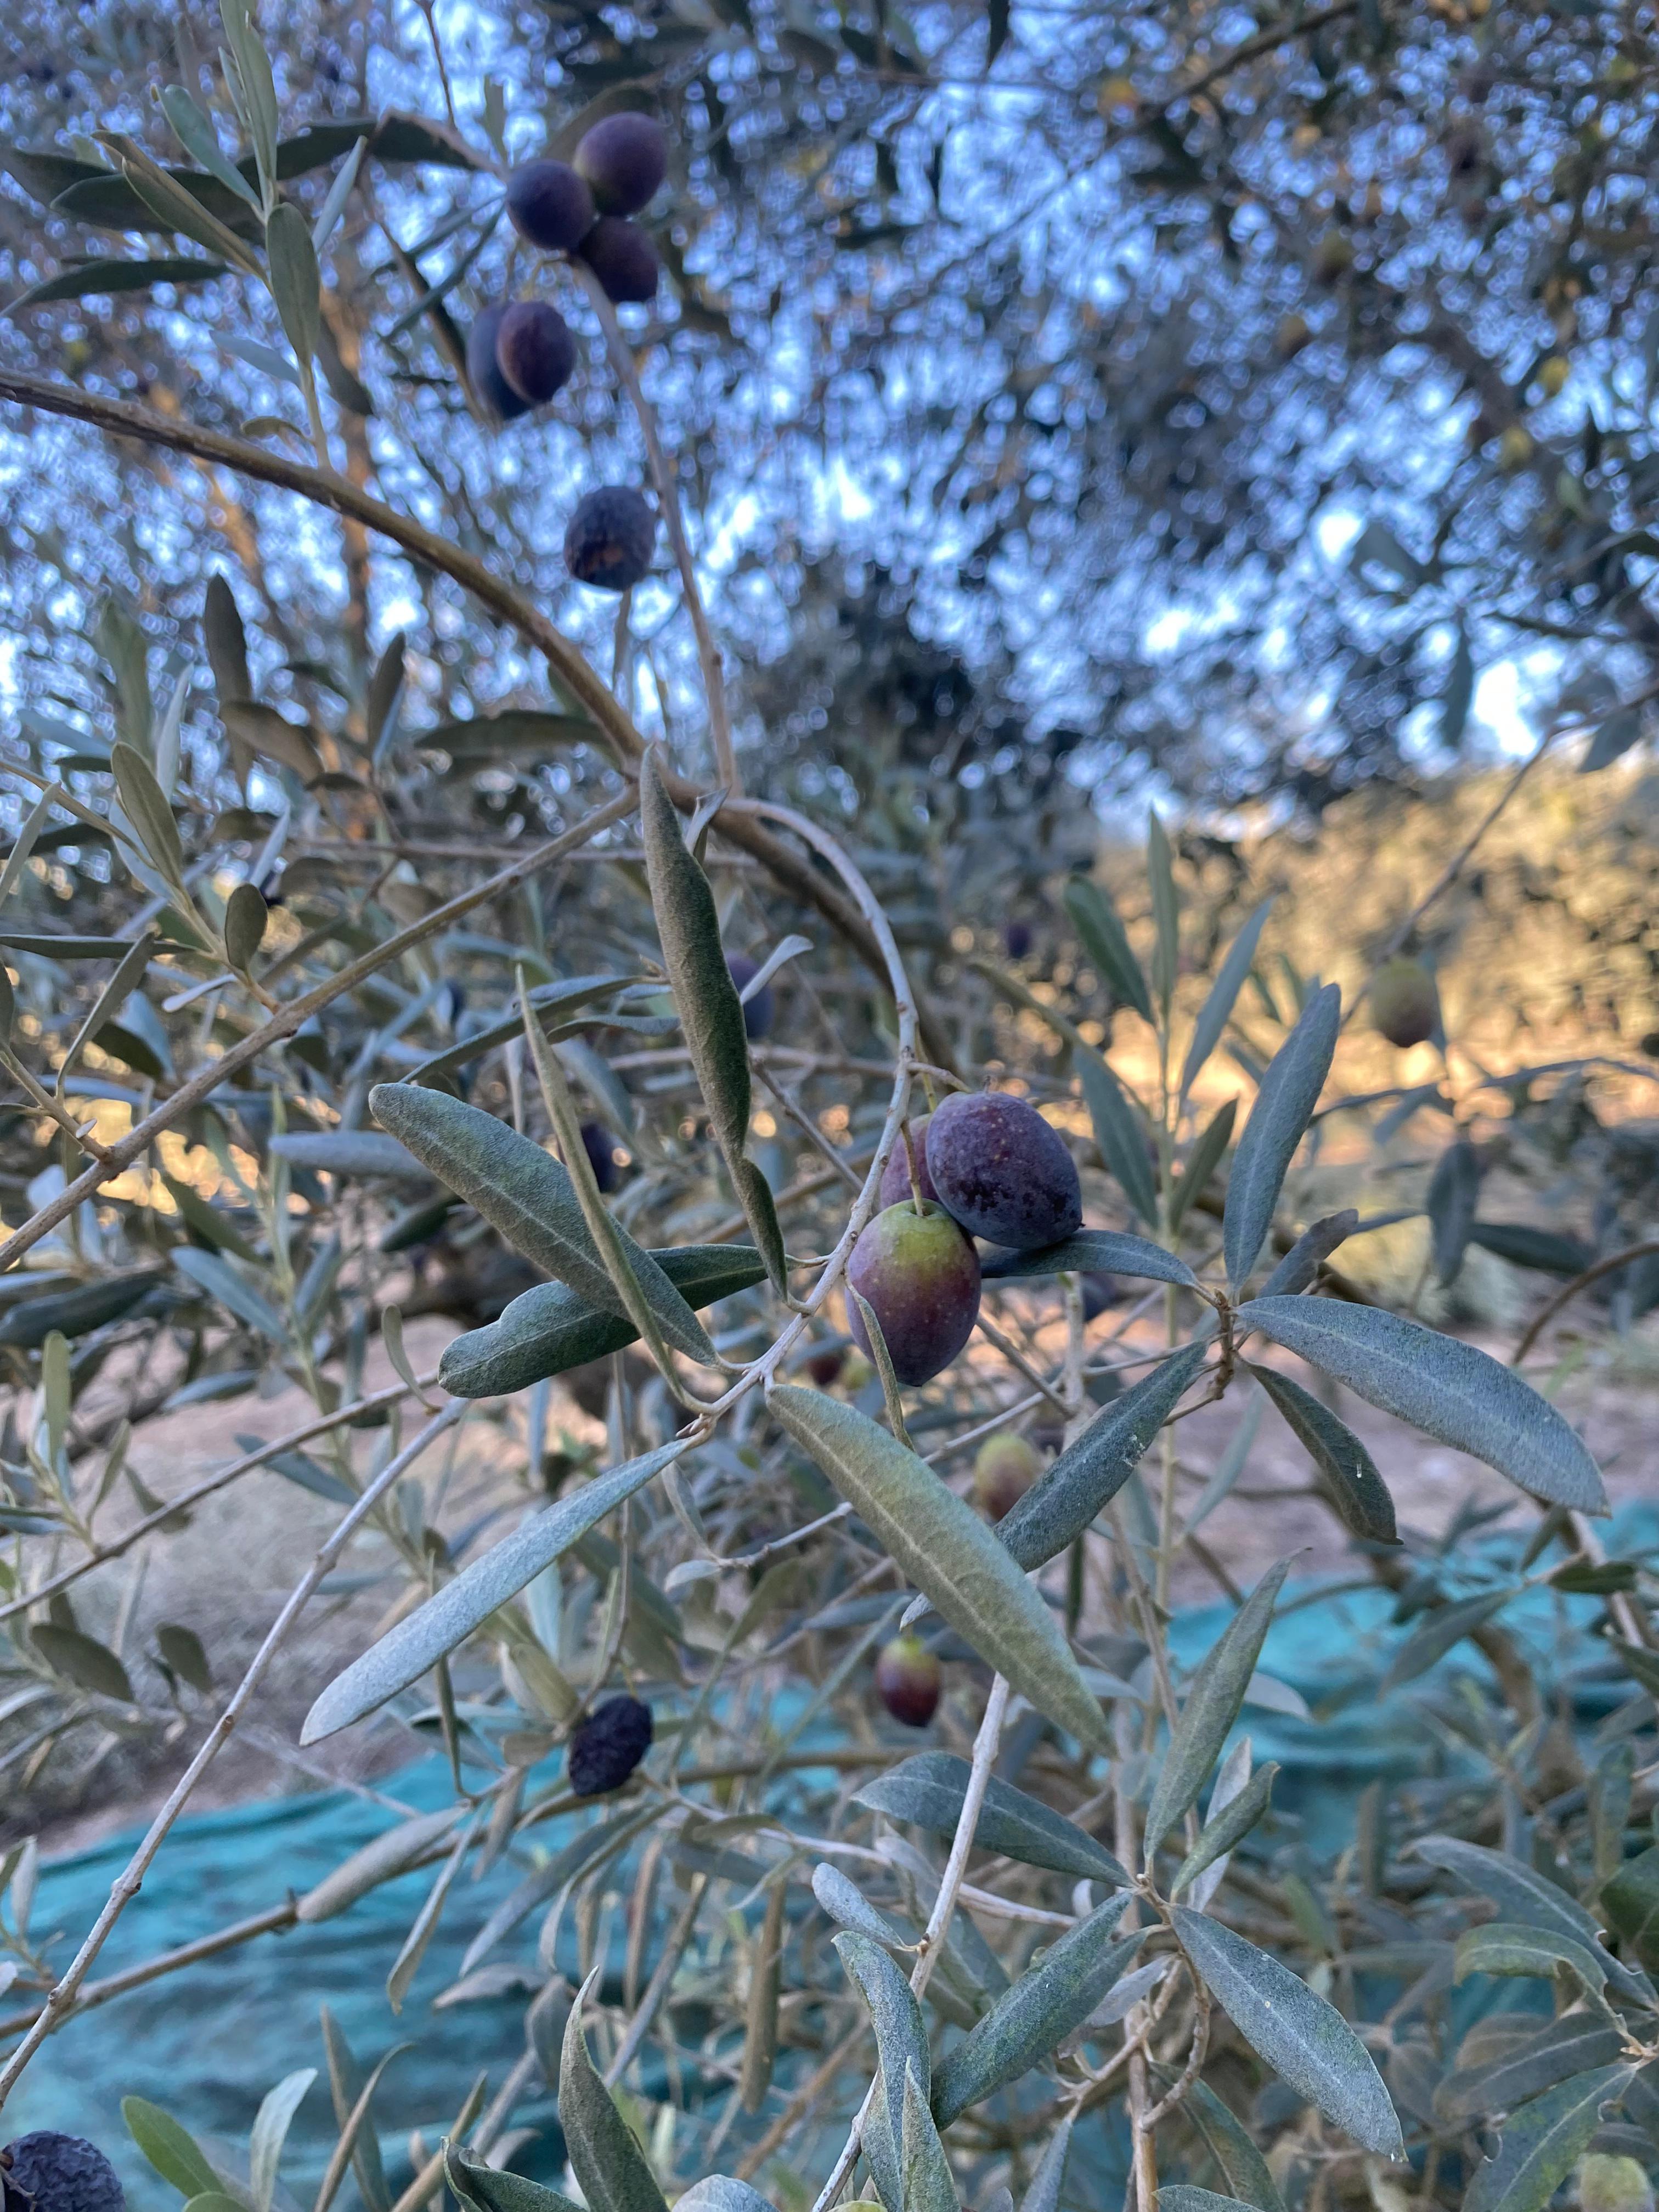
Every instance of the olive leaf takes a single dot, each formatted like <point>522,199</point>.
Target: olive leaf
<point>77,1312</point>
<point>1202,1162</point>
<point>1166,913</point>
<point>1242,2167</point>
<point>1043,2194</point>
<point>1211,1706</point>
<point>610,2166</point>
<point>81,1659</point>
<point>493,2189</point>
<point>348,1152</point>
<point>549,1329</point>
<point>526,1194</point>
<point>1448,1389</point>
<point>1521,1894</point>
<point>295,285</point>
<point>175,2153</point>
<point>1573,2044</point>
<point>196,133</point>
<point>1098,1250</point>
<point>1453,1194</point>
<point>924,2170</point>
<point>944,1547</point>
<point>1443,1629</point>
<point>391,1852</point>
<point>448,1616</point>
<point>931,1789</point>
<point>564,997</point>
<point>1226,1825</point>
<point>1509,1948</point>
<point>1542,2142</point>
<point>145,806</point>
<point>1089,1474</point>
<point>1118,1130</point>
<point>711,1017</point>
<point>1036,2015</point>
<point>1101,932</point>
<point>1279,1120</point>
<point>1181,2196</point>
<point>1301,1264</point>
<point>1351,1482</point>
<point>901,2045</point>
<point>1306,2041</point>
<point>271,2127</point>
<point>1213,1015</point>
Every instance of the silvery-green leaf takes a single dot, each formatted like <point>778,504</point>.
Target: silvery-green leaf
<point>1279,1120</point>
<point>552,1001</point>
<point>1242,2167</point>
<point>1307,2041</point>
<point>1166,913</point>
<point>170,2149</point>
<point>1526,1247</point>
<point>1299,1266</point>
<point>901,2043</point>
<point>448,1616</point>
<point>195,133</point>
<point>393,1852</point>
<point>295,284</point>
<point>75,1312</point>
<point>81,1659</point>
<point>1351,1482</point>
<point>271,2127</point>
<point>1453,1194</point>
<point>946,1550</point>
<point>407,1963</point>
<point>1211,1706</point>
<point>610,2166</point>
<point>711,1018</point>
<point>547,1330</point>
<point>1118,1131</point>
<point>1181,2196</point>
<point>351,2089</point>
<point>1576,2043</point>
<point>587,1849</point>
<point>1508,1946</point>
<point>493,2189</point>
<point>847,1905</point>
<point>110,1000</point>
<point>348,1152</point>
<point>34,822</point>
<point>1089,1474</point>
<point>924,2170</point>
<point>1035,2016</point>
<point>1448,1389</point>
<point>145,806</point>
<point>1225,1826</point>
<point>526,1194</point>
<point>1102,1250</point>
<point>1218,1006</point>
<point>1521,1893</point>
<point>1202,1162</point>
<point>932,1787</point>
<point>1043,2194</point>
<point>179,206</point>
<point>334,206</point>
<point>1440,1631</point>
<point>221,1281</point>
<point>718,2193</point>
<point>1230,1465</point>
<point>1095,920</point>
<point>1542,2142</point>
<point>65,947</point>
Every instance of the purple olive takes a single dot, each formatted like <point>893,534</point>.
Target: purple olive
<point>824,1367</point>
<point>1005,1467</point>
<point>921,1277</point>
<point>597,1144</point>
<point>907,1681</point>
<point>623,259</point>
<point>622,160</point>
<point>1017,939</point>
<point>484,371</point>
<point>611,539</point>
<point>895,1175</point>
<point>1002,1171</point>
<point>757,1011</point>
<point>606,1747</point>
<point>551,205</point>
<point>534,351</point>
<point>47,2172</point>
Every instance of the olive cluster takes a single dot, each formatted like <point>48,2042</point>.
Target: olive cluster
<point>520,354</point>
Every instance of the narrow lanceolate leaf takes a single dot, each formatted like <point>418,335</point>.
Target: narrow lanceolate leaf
<point>391,1853</point>
<point>1202,1162</point>
<point>491,2189</point>
<point>607,1235</point>
<point>1453,1194</point>
<point>1441,1632</point>
<point>760,2039</point>
<point>1509,1948</point>
<point>1299,1266</point>
<point>1089,1474</point>
<point>1228,982</point>
<point>1448,1389</point>
<point>924,2170</point>
<point>930,1790</point>
<point>944,1547</point>
<point>348,1152</point>
<point>1166,913</point>
<point>1043,2194</point>
<point>1213,1705</point>
<point>1229,2144</point>
<point>1226,1826</point>
<point>711,1017</point>
<point>549,1329</point>
<point>447,1619</point>
<point>1104,1251</point>
<point>110,1000</point>
<point>1034,2017</point>
<point>1307,2041</point>
<point>1101,934</point>
<point>271,2127</point>
<point>554,1002</point>
<point>1542,2142</point>
<point>1521,1893</point>
<point>173,2152</point>
<point>145,806</point>
<point>901,2044</point>
<point>1351,1482</point>
<point>1118,1131</point>
<point>81,1659</point>
<point>1575,2044</point>
<point>1181,2196</point>
<point>295,284</point>
<point>718,2193</point>
<point>610,2166</point>
<point>526,1193</point>
<point>1279,1120</point>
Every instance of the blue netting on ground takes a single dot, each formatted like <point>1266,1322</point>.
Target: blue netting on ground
<point>207,2042</point>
